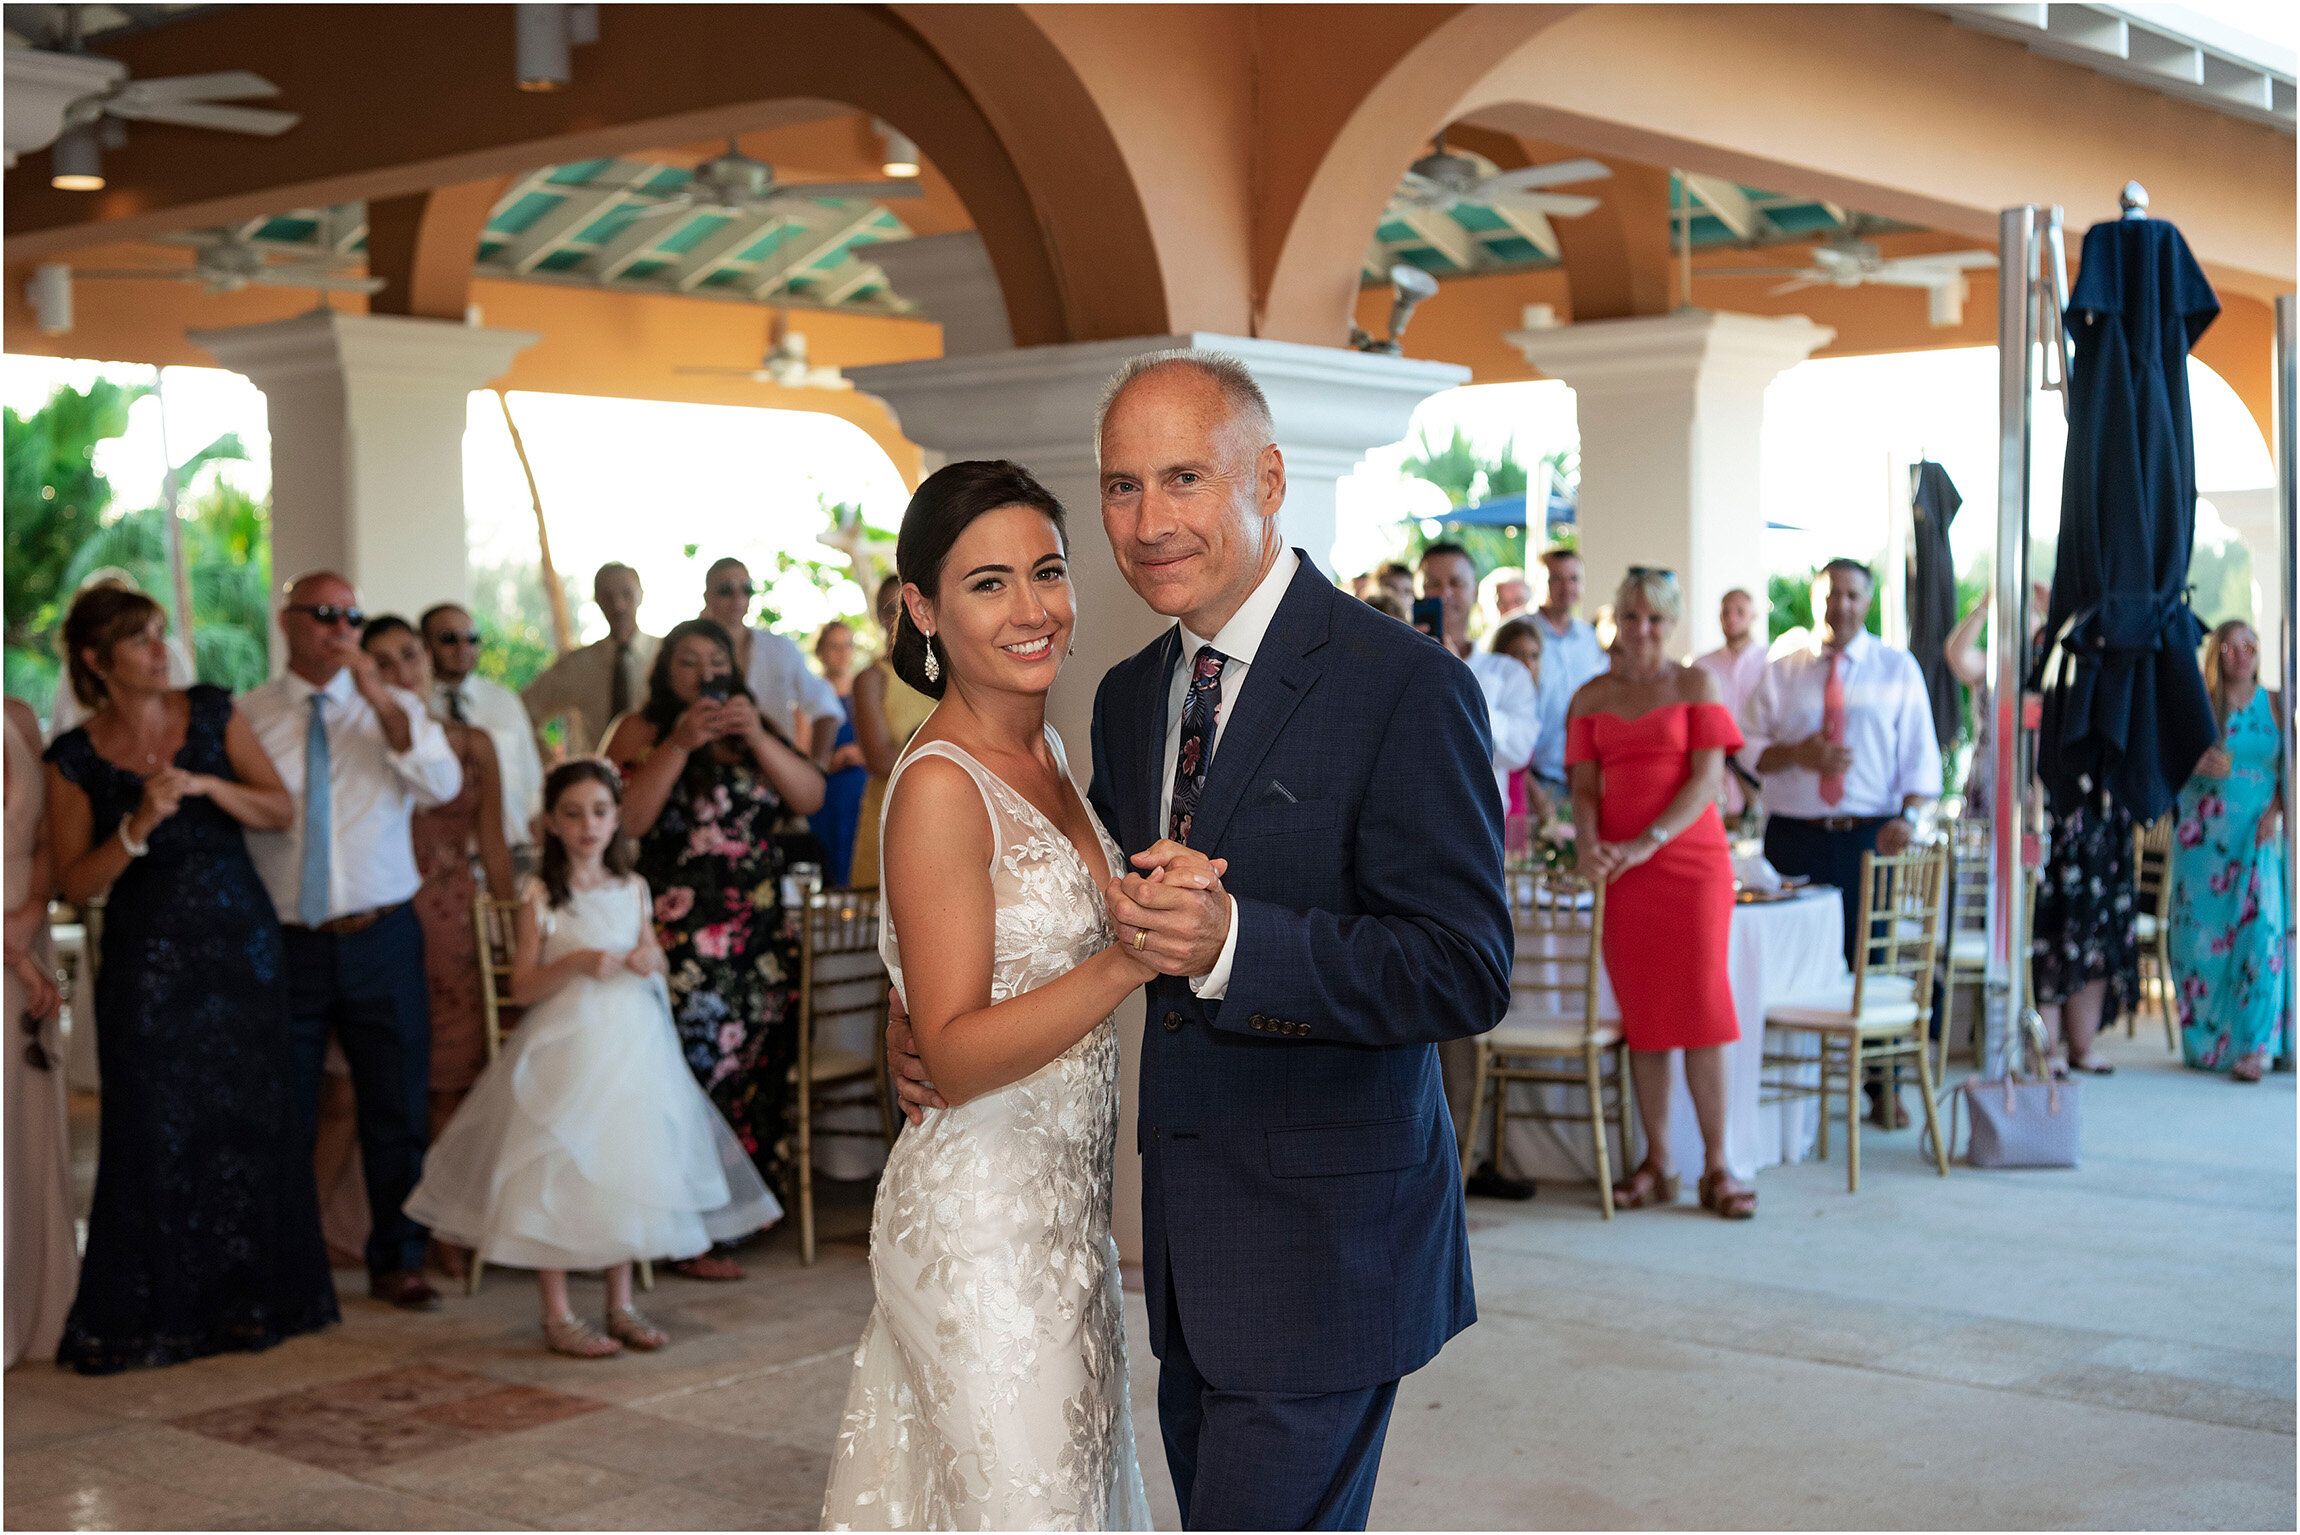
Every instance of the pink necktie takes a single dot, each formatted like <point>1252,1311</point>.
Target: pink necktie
<point>1833,727</point>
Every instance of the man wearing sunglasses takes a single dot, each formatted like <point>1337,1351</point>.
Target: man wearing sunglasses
<point>772,664</point>
<point>360,757</point>
<point>459,693</point>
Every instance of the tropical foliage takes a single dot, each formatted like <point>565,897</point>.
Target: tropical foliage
<point>62,525</point>
<point>1470,476</point>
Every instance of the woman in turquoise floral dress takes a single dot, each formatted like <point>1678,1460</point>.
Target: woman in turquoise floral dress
<point>2229,896</point>
<point>706,779</point>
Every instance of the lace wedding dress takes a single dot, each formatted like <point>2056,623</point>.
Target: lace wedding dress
<point>989,1387</point>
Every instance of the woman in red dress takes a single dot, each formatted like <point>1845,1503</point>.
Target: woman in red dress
<point>1645,749</point>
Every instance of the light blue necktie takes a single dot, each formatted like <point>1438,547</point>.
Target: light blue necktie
<point>312,903</point>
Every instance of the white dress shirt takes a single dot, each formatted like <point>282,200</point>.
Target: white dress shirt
<point>1568,660</point>
<point>1514,710</point>
<point>1737,678</point>
<point>583,680</point>
<point>784,684</point>
<point>1888,729</point>
<point>372,790</point>
<point>1240,638</point>
<point>497,710</point>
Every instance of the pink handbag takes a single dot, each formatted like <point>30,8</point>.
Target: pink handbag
<point>2023,1121</point>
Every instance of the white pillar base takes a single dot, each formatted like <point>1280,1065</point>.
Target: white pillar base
<point>1671,408</point>
<point>367,415</point>
<point>1036,406</point>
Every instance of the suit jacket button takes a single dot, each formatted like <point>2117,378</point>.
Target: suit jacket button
<point>1173,1023</point>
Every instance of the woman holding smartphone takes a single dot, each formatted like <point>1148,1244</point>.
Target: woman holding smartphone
<point>706,777</point>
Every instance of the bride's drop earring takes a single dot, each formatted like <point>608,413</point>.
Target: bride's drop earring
<point>933,667</point>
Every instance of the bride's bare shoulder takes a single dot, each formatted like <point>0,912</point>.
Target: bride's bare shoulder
<point>935,816</point>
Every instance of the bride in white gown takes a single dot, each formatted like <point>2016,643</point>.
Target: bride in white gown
<point>990,1387</point>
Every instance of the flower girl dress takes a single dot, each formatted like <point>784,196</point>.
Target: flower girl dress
<point>587,1142</point>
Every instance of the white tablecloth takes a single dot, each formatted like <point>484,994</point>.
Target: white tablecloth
<point>1781,950</point>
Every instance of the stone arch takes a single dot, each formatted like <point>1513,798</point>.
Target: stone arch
<point>1983,125</point>
<point>982,93</point>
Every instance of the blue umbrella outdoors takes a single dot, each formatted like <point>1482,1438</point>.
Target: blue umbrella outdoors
<point>2124,702</point>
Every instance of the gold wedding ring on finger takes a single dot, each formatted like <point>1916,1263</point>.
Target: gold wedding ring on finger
<point>1141,937</point>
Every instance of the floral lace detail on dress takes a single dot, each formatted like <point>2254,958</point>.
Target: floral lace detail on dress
<point>990,1387</point>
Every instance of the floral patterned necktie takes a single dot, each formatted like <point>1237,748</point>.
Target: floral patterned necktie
<point>1201,707</point>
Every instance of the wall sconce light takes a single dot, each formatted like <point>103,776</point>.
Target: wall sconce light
<point>50,295</point>
<point>1409,285</point>
<point>76,161</point>
<point>901,154</point>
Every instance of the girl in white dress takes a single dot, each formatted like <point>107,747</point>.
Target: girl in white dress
<point>586,1144</point>
<point>990,1388</point>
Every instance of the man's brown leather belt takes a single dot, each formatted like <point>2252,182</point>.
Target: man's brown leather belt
<point>357,922</point>
<point>1838,822</point>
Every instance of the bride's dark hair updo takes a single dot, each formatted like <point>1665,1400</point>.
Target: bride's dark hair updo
<point>950,499</point>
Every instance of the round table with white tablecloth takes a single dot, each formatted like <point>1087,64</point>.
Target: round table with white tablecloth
<point>1779,950</point>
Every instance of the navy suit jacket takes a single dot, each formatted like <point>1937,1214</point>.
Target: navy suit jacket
<point>1299,1175</point>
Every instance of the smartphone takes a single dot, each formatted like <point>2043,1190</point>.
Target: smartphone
<point>717,689</point>
<point>1429,616</point>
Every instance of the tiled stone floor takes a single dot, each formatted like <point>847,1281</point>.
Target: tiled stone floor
<point>2106,1348</point>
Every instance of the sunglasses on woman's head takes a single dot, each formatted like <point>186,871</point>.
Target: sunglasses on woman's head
<point>1640,572</point>
<point>326,613</point>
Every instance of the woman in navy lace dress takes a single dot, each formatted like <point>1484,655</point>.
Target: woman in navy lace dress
<point>204,1236</point>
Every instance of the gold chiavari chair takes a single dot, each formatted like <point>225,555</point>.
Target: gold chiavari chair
<point>1555,1017</point>
<point>841,979</point>
<point>1968,934</point>
<point>496,923</point>
<point>2152,919</point>
<point>1882,1016</point>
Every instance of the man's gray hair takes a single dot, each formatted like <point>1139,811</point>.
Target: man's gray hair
<point>1249,407</point>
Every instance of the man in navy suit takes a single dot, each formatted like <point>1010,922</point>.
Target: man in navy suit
<point>1303,1240</point>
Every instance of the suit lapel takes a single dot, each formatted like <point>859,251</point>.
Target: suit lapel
<point>1276,684</point>
<point>1149,759</point>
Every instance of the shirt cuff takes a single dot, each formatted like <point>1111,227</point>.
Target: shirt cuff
<point>1215,983</point>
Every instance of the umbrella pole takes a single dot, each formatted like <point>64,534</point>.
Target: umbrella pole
<point>2287,479</point>
<point>2009,1004</point>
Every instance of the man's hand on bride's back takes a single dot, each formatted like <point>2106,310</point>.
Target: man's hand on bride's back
<point>1174,913</point>
<point>911,1083</point>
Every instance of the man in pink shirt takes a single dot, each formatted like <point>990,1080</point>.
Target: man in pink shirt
<point>1740,665</point>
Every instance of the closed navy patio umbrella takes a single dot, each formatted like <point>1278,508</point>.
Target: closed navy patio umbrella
<point>1932,593</point>
<point>2124,701</point>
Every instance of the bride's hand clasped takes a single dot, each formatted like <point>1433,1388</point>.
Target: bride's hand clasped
<point>1176,914</point>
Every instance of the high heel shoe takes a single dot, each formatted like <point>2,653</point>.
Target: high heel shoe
<point>571,1335</point>
<point>1646,1187</point>
<point>626,1325</point>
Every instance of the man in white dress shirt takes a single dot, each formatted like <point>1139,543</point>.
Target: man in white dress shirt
<point>459,693</point>
<point>1841,732</point>
<point>772,664</point>
<point>1570,656</point>
<point>1740,665</point>
<point>342,878</point>
<point>1514,711</point>
<point>603,680</point>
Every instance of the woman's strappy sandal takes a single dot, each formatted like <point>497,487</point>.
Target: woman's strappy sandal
<point>1644,1187</point>
<point>1720,1194</point>
<point>626,1325</point>
<point>573,1336</point>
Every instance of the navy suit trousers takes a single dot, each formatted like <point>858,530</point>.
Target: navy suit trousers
<point>1267,1460</point>
<point>368,988</point>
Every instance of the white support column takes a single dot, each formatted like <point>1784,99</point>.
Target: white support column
<point>1670,410</point>
<point>2254,516</point>
<point>367,416</point>
<point>1036,406</point>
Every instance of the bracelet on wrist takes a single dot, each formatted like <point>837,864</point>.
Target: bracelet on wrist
<point>134,848</point>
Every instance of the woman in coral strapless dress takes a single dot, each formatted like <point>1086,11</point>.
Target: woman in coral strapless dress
<point>1645,746</point>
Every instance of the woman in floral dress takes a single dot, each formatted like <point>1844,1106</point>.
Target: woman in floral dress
<point>2229,896</point>
<point>706,780</point>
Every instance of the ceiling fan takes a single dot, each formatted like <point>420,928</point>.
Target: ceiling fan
<point>1847,262</point>
<point>736,183</point>
<point>226,263</point>
<point>785,363</point>
<point>1440,179</point>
